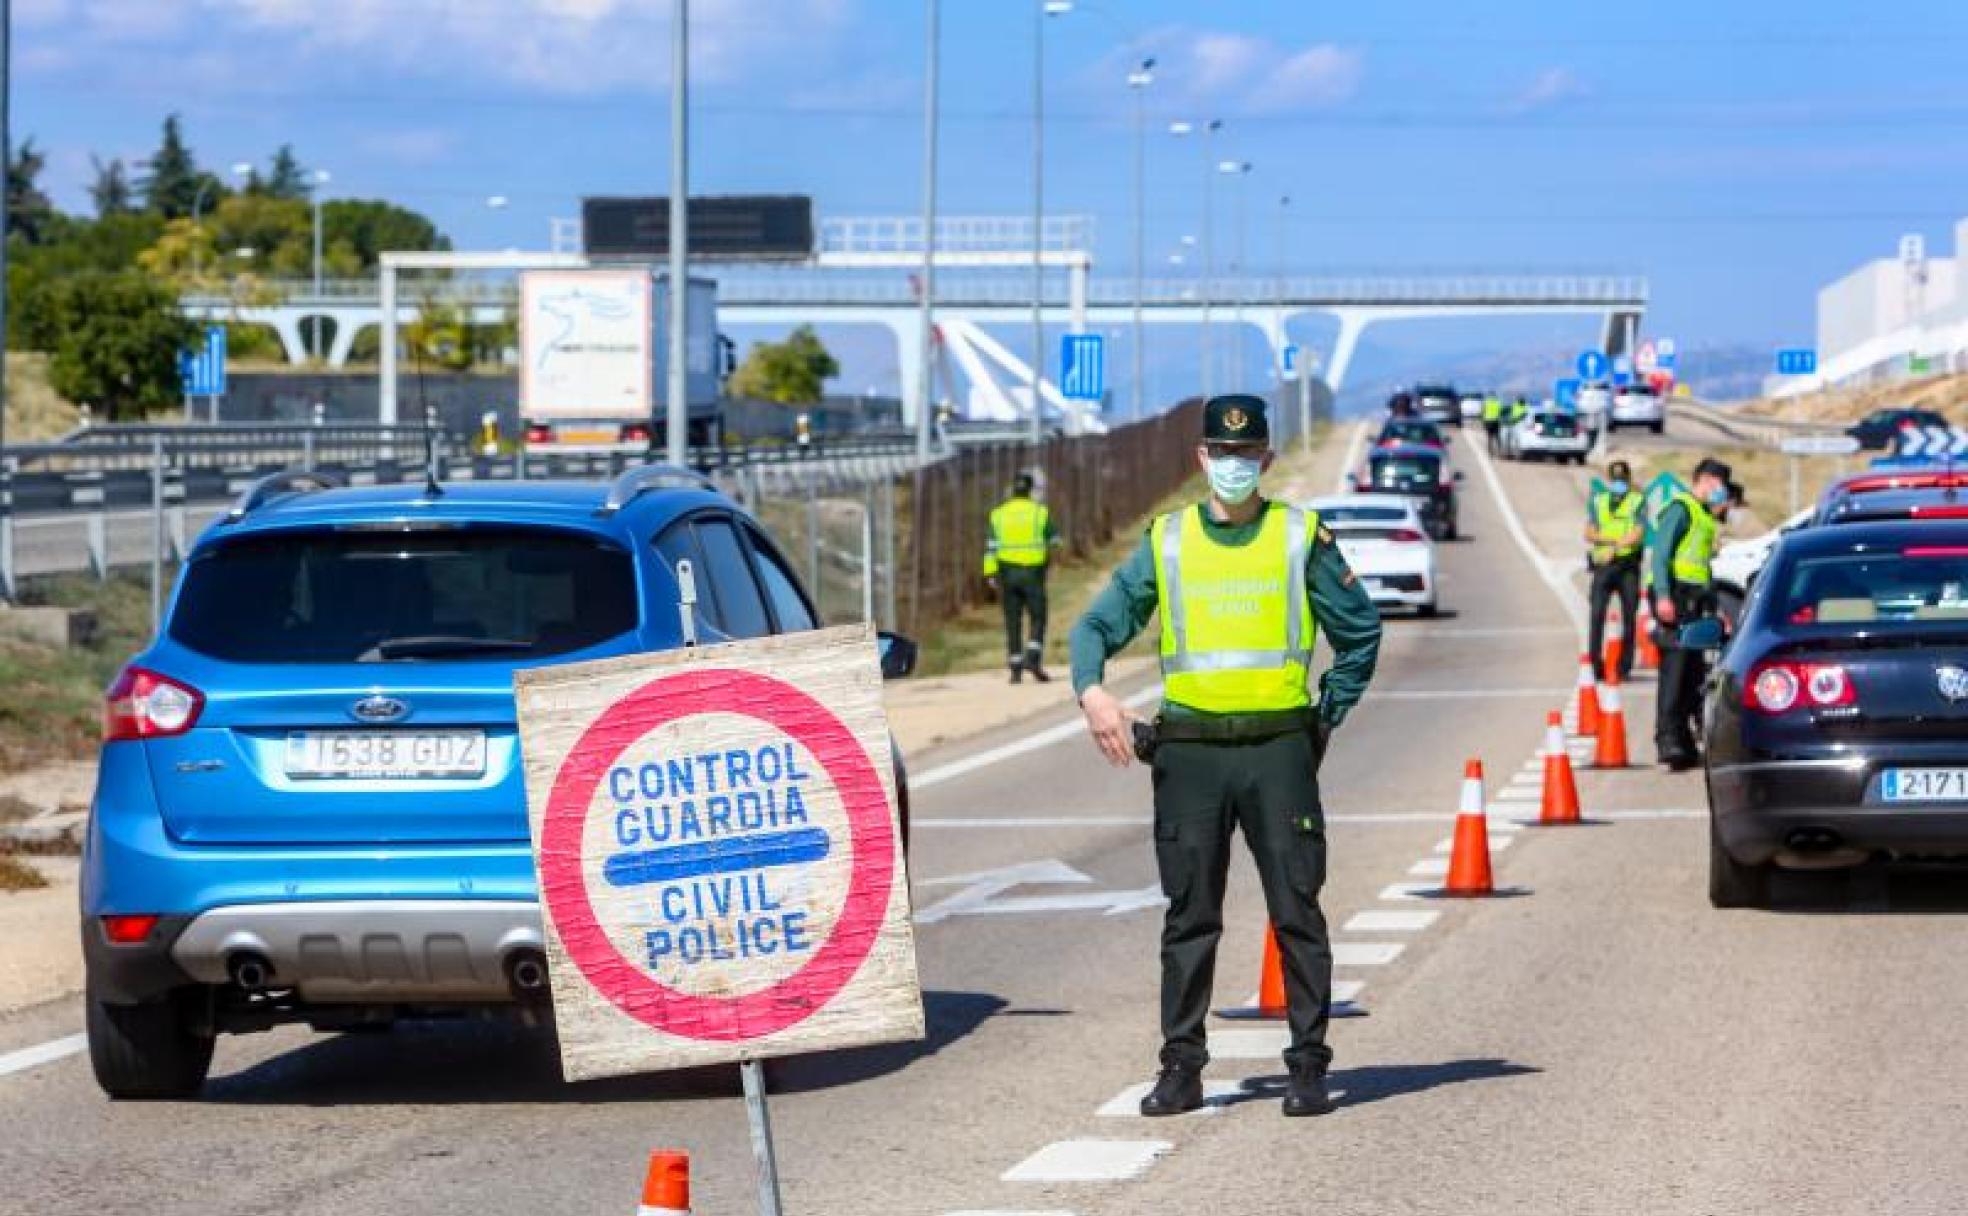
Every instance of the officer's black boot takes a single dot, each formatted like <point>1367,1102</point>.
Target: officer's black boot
<point>1017,670</point>
<point>1035,663</point>
<point>1178,1089</point>
<point>1305,1092</point>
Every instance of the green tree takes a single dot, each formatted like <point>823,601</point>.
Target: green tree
<point>793,372</point>
<point>29,212</point>
<point>171,183</point>
<point>286,179</point>
<point>370,226</point>
<point>110,192</point>
<point>116,341</point>
<point>440,338</point>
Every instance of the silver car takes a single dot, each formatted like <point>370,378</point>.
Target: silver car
<point>1548,434</point>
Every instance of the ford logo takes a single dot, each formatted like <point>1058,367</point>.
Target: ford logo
<point>1952,681</point>
<point>378,708</point>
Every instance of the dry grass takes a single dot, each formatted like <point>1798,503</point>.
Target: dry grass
<point>51,700</point>
<point>1946,394</point>
<point>17,875</point>
<point>35,412</point>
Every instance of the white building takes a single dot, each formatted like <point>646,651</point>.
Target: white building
<point>1892,317</point>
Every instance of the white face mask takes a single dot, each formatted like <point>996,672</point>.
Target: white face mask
<point>1233,478</point>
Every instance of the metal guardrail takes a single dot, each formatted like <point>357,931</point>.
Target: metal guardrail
<point>960,287</point>
<point>1752,429</point>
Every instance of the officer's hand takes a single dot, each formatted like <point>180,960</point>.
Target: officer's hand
<point>1108,721</point>
<point>1664,609</point>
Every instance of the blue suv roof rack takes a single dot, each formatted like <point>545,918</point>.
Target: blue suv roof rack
<point>283,484</point>
<point>649,477</point>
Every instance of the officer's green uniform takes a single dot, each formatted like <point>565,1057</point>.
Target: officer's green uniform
<point>1615,572</point>
<point>1518,411</point>
<point>1240,605</point>
<point>1016,553</point>
<point>1683,547</point>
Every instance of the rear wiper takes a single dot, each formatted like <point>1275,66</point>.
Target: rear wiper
<point>438,645</point>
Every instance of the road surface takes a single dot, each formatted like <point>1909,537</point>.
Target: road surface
<point>1605,1043</point>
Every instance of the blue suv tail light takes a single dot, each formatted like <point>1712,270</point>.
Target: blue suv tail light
<point>142,704</point>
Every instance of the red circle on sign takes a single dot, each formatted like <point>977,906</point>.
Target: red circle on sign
<point>870,834</point>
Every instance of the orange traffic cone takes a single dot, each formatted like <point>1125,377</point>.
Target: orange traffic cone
<point>1561,796</point>
<point>1610,751</point>
<point>1646,655</point>
<point>1271,1003</point>
<point>1469,856</point>
<point>1610,653</point>
<point>1588,698</point>
<point>666,1187</point>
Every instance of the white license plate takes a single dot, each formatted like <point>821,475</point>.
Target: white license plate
<point>1924,785</point>
<point>371,754</point>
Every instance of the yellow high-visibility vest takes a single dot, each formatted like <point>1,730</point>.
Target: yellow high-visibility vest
<point>1692,556</point>
<point>1492,409</point>
<point>1018,534</point>
<point>1621,520</point>
<point>1237,622</point>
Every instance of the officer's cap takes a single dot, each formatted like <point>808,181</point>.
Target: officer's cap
<point>1236,418</point>
<point>1715,468</point>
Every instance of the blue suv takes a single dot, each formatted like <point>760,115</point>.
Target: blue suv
<point>310,805</point>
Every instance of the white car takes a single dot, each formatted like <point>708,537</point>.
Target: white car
<point>1472,406</point>
<point>1549,434</point>
<point>1637,405</point>
<point>1737,563</point>
<point>1383,539</point>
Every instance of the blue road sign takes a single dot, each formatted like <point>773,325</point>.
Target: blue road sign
<point>202,370</point>
<point>1797,361</point>
<point>1623,370</point>
<point>1565,393</point>
<point>1666,352</point>
<point>1083,364</point>
<point>1291,360</point>
<point>1592,365</point>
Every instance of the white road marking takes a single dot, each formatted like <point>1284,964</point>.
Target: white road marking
<point>42,1053</point>
<point>1348,990</point>
<point>1457,694</point>
<point>1381,920</point>
<point>1353,448</point>
<point>1365,954</point>
<point>1561,584</point>
<point>1471,631</point>
<point>1407,890</point>
<point>1430,867</point>
<point>1362,819</point>
<point>1055,821</point>
<point>1127,1103</point>
<point>1088,1161</point>
<point>1246,1044</point>
<point>1019,747</point>
<point>1007,1212</point>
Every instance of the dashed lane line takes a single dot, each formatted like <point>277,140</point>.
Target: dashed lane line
<point>1127,1103</point>
<point>1365,954</point>
<point>1382,920</point>
<point>42,1053</point>
<point>1089,1161</point>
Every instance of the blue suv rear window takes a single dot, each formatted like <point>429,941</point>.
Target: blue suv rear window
<point>366,597</point>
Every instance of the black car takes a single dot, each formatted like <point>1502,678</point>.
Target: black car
<point>1878,429</point>
<point>1398,431</point>
<point>1416,472</point>
<point>1837,725</point>
<point>1438,403</point>
<point>1919,502</point>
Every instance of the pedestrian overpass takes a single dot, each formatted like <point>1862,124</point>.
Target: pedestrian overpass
<point>865,271</point>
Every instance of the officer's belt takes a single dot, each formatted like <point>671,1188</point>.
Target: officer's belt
<point>1233,728</point>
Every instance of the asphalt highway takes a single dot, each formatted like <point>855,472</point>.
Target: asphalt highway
<point>1603,1043</point>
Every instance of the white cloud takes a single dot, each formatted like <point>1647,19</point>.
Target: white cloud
<point>418,147</point>
<point>1233,72</point>
<point>1551,87</point>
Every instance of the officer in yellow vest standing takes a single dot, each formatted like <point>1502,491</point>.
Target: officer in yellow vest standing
<point>1016,552</point>
<point>1492,421</point>
<point>1243,586</point>
<point>1680,582</point>
<point>1614,536</point>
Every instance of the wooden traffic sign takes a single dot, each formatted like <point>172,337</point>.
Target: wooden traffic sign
<point>720,863</point>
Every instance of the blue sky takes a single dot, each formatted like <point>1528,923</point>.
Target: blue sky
<point>1740,152</point>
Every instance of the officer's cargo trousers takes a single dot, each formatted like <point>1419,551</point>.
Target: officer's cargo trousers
<point>1203,792</point>
<point>1024,589</point>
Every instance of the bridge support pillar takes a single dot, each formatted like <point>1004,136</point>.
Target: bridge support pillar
<point>386,348</point>
<point>346,326</point>
<point>1272,322</point>
<point>1621,334</point>
<point>287,327</point>
<point>908,365</point>
<point>1351,325</point>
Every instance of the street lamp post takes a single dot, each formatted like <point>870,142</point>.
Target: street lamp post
<point>1205,286</point>
<point>1240,169</point>
<point>926,307</point>
<point>678,411</point>
<point>1139,80</point>
<point>321,178</point>
<point>1041,9</point>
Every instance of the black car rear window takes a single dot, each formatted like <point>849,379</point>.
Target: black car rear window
<point>1403,470</point>
<point>1349,514</point>
<point>1919,583</point>
<point>364,597</point>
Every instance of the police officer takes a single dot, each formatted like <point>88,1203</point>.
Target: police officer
<point>1614,536</point>
<point>1021,538</point>
<point>1683,547</point>
<point>1492,420</point>
<point>1519,409</point>
<point>1242,585</point>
